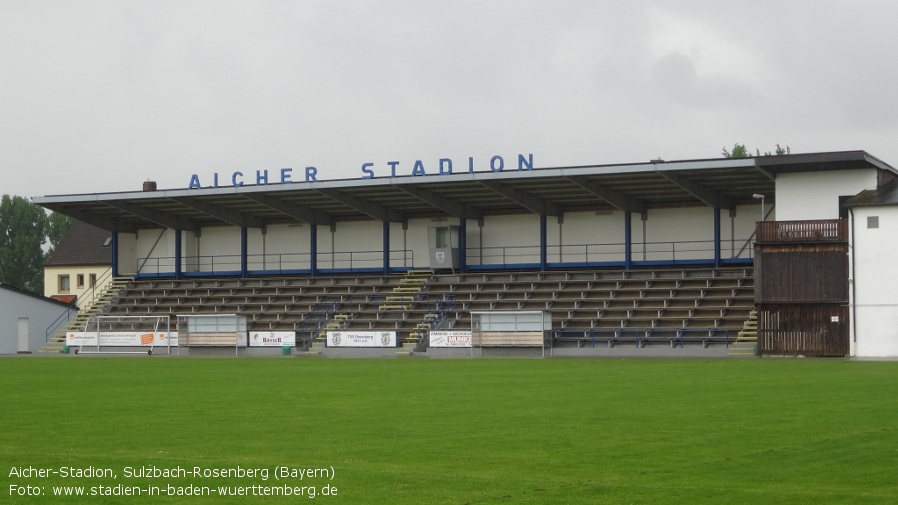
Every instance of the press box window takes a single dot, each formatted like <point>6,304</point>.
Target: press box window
<point>872,222</point>
<point>442,237</point>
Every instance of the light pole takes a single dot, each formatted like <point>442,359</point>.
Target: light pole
<point>757,196</point>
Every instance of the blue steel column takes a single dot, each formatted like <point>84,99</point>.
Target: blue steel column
<point>114,245</point>
<point>543,234</point>
<point>463,245</point>
<point>244,250</point>
<point>386,248</point>
<point>313,249</point>
<point>628,240</point>
<point>717,238</point>
<point>178,239</point>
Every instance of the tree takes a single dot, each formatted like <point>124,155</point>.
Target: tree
<point>22,230</point>
<point>57,225</point>
<point>740,151</point>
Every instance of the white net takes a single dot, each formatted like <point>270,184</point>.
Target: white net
<point>121,334</point>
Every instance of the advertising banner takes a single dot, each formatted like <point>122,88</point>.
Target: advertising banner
<point>121,338</point>
<point>361,339</point>
<point>450,338</point>
<point>272,338</point>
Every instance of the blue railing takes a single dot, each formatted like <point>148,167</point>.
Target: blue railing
<point>655,254</point>
<point>442,307</point>
<point>86,298</point>
<point>319,316</point>
<point>610,254</point>
<point>60,321</point>
<point>276,263</point>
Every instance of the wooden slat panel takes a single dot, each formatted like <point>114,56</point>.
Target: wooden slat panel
<point>803,330</point>
<point>800,273</point>
<point>211,340</point>
<point>509,339</point>
<point>824,230</point>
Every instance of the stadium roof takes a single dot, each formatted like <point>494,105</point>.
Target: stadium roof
<point>633,187</point>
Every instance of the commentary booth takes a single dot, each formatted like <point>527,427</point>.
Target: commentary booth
<point>263,244</point>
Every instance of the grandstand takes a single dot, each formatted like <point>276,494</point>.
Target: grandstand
<point>606,307</point>
<point>638,259</point>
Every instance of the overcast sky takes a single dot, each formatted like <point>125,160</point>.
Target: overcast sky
<point>99,96</point>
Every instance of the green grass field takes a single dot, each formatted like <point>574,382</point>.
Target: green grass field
<point>456,431</point>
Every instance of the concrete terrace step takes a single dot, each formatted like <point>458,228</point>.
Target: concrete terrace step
<point>742,350</point>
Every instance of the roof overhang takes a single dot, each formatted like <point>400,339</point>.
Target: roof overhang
<point>634,187</point>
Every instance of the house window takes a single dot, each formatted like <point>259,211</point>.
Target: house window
<point>80,281</point>
<point>64,286</point>
<point>872,222</point>
<point>93,280</point>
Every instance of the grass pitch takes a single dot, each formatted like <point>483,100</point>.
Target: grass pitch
<point>453,431</point>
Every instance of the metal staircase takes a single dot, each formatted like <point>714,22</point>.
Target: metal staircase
<point>432,320</point>
<point>91,307</point>
<point>320,320</point>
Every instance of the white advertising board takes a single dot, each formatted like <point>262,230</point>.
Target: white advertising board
<point>272,338</point>
<point>122,338</point>
<point>450,339</point>
<point>361,339</point>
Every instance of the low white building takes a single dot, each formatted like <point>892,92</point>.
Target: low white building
<point>874,272</point>
<point>24,319</point>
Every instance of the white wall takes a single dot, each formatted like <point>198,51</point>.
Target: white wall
<point>738,232</point>
<point>600,236</point>
<point>189,247</point>
<point>509,239</point>
<point>151,250</point>
<point>127,253</point>
<point>815,195</point>
<point>415,239</point>
<point>222,242</point>
<point>874,278</point>
<point>363,239</point>
<point>504,239</point>
<point>284,246</point>
<point>41,314</point>
<point>679,233</point>
<point>586,236</point>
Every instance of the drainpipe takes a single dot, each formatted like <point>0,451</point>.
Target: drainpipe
<point>717,261</point>
<point>114,245</point>
<point>628,243</point>
<point>313,249</point>
<point>178,259</point>
<point>853,247</point>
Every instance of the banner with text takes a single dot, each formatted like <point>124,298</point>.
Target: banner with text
<point>122,338</point>
<point>450,338</point>
<point>361,339</point>
<point>272,338</point>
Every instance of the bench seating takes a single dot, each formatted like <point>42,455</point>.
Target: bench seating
<point>226,339</point>
<point>509,339</point>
